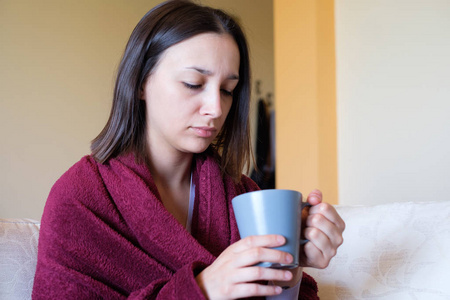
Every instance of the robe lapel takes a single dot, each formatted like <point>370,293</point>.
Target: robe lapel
<point>211,225</point>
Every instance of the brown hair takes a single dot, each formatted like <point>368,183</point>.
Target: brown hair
<point>162,27</point>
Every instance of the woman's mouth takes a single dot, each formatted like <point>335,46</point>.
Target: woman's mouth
<point>204,131</point>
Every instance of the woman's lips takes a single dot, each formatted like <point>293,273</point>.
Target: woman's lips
<point>204,131</point>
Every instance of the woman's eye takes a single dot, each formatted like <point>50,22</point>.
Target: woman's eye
<point>192,86</point>
<point>227,93</point>
<point>199,86</point>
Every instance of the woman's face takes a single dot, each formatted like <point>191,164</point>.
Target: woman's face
<point>189,93</point>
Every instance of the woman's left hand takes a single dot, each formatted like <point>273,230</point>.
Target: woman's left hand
<point>323,227</point>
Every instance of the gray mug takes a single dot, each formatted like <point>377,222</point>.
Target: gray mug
<point>272,212</point>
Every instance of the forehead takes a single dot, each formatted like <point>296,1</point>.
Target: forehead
<point>204,49</point>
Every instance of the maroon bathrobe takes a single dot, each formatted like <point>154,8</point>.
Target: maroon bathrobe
<point>106,234</point>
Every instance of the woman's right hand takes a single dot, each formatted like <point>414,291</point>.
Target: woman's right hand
<point>233,274</point>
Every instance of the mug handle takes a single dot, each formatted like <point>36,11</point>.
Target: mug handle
<point>304,204</point>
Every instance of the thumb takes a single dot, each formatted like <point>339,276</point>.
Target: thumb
<point>315,197</point>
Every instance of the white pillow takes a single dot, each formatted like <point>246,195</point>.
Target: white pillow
<point>390,251</point>
<point>18,254</point>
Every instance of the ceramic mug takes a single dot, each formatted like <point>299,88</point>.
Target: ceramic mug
<point>272,212</point>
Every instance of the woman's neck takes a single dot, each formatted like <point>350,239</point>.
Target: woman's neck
<point>171,175</point>
<point>171,172</point>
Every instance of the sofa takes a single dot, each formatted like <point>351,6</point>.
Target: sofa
<point>18,253</point>
<point>391,251</point>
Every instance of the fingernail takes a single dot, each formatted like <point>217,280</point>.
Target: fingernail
<point>278,290</point>
<point>288,275</point>
<point>315,198</point>
<point>280,239</point>
<point>288,258</point>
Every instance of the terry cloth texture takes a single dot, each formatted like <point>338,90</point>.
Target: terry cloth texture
<point>105,234</point>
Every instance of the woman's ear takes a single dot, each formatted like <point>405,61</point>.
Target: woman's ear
<point>142,93</point>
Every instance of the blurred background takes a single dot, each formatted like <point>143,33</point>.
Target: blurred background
<point>360,91</point>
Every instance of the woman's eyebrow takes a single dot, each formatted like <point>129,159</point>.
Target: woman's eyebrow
<point>209,73</point>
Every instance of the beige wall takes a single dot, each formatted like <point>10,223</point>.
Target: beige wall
<point>57,66</point>
<point>393,70</point>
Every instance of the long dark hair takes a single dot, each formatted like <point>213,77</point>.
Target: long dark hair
<point>162,27</point>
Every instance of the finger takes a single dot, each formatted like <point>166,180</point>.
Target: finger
<point>256,255</point>
<point>252,274</point>
<point>331,231</point>
<point>315,197</point>
<point>253,290</point>
<point>317,253</point>
<point>313,257</point>
<point>255,241</point>
<point>329,212</point>
<point>322,242</point>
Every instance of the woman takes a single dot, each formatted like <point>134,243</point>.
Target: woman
<point>148,214</point>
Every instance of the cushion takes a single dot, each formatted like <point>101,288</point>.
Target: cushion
<point>390,251</point>
<point>18,254</point>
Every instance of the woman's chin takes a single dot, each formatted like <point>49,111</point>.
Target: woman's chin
<point>200,150</point>
<point>195,149</point>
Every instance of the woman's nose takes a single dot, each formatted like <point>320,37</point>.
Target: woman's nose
<point>212,104</point>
